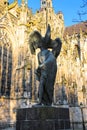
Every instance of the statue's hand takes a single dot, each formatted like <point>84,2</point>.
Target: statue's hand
<point>38,70</point>
<point>42,66</point>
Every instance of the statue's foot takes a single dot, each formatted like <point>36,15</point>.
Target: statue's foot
<point>38,105</point>
<point>42,105</point>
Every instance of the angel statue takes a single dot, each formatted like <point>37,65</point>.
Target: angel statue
<point>47,66</point>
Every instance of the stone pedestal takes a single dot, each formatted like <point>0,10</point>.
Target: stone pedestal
<point>43,118</point>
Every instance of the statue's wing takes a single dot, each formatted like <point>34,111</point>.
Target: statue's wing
<point>48,34</point>
<point>56,46</point>
<point>46,39</point>
<point>34,41</point>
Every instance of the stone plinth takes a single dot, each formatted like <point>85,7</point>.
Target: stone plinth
<point>43,118</point>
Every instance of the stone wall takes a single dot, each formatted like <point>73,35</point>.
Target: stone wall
<point>4,112</point>
<point>78,117</point>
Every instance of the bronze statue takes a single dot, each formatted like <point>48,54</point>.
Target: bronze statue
<point>47,67</point>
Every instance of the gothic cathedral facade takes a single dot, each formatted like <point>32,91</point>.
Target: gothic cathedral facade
<point>17,65</point>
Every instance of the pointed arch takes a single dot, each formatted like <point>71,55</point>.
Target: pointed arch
<point>10,33</point>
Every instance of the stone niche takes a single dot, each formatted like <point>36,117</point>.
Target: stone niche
<point>43,118</point>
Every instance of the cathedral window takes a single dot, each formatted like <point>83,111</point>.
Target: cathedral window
<point>60,17</point>
<point>9,71</point>
<point>44,2</point>
<point>5,65</point>
<point>6,3</point>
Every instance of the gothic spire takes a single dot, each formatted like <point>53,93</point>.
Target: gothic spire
<point>24,2</point>
<point>46,3</point>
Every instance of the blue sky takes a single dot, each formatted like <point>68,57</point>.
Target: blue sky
<point>68,7</point>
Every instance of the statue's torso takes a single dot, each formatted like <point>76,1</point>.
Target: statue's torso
<point>43,55</point>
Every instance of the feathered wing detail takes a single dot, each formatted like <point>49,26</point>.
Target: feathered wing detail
<point>35,39</point>
<point>56,46</point>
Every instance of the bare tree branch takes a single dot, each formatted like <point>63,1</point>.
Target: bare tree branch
<point>82,13</point>
<point>84,4</point>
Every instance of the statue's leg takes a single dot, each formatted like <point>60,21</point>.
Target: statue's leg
<point>41,88</point>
